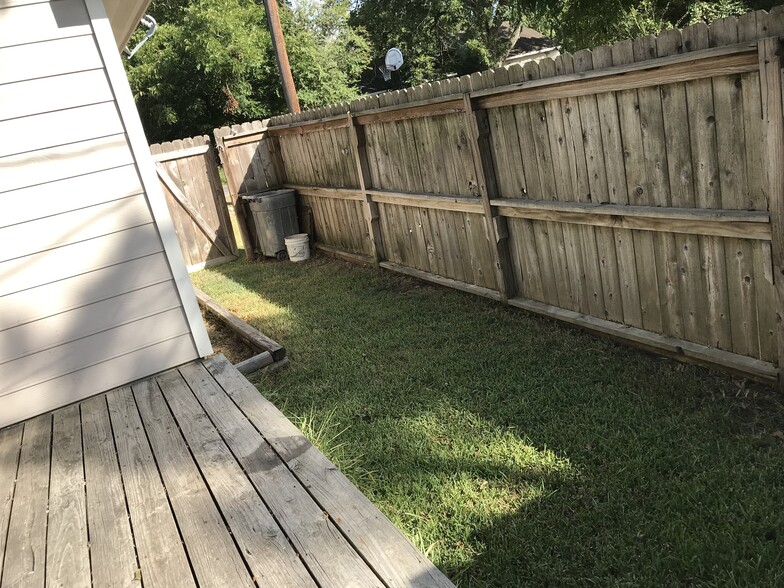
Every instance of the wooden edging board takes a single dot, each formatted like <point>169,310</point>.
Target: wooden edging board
<point>255,363</point>
<point>676,348</point>
<point>242,329</point>
<point>346,255</point>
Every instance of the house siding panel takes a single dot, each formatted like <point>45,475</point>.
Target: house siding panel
<point>29,97</point>
<point>90,296</point>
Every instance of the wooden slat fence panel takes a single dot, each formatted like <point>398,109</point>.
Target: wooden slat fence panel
<point>188,172</point>
<point>634,187</point>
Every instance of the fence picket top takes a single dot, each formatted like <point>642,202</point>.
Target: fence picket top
<point>515,73</point>
<point>747,26</point>
<point>583,60</point>
<point>723,31</point>
<point>695,37</point>
<point>603,55</point>
<point>670,43</point>
<point>776,21</point>
<point>551,73</point>
<point>531,70</point>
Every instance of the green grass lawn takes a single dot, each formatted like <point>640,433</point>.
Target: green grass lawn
<point>513,450</point>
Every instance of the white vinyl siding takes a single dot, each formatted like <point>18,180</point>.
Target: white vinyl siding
<point>64,161</point>
<point>83,191</point>
<point>54,93</point>
<point>90,296</point>
<point>95,378</point>
<point>83,290</point>
<point>31,62</point>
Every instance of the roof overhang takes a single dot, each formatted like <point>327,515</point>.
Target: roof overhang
<point>124,16</point>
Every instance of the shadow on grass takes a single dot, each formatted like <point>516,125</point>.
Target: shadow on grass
<point>517,451</point>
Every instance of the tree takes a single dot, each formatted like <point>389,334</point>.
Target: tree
<point>211,63</point>
<point>443,37</point>
<point>437,37</point>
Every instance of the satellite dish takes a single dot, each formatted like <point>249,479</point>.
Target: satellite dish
<point>394,59</point>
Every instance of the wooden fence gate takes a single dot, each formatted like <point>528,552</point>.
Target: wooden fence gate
<point>189,177</point>
<point>250,166</point>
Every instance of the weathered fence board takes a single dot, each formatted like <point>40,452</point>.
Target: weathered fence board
<point>633,189</point>
<point>189,177</point>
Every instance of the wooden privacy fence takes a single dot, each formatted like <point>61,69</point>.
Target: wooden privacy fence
<point>189,178</point>
<point>634,190</point>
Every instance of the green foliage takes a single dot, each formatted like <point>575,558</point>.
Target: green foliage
<point>584,24</point>
<point>211,63</point>
<point>708,11</point>
<point>437,37</point>
<point>442,37</point>
<point>327,55</point>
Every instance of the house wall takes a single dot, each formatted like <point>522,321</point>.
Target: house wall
<point>93,289</point>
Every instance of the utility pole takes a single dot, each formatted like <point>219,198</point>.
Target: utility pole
<point>279,45</point>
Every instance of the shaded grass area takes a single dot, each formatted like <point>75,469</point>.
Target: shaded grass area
<point>513,450</point>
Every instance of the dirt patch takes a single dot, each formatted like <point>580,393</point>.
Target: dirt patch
<point>226,342</point>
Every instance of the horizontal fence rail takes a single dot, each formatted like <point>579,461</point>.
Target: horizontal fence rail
<point>635,190</point>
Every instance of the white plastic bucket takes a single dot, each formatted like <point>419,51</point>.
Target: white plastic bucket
<point>298,247</point>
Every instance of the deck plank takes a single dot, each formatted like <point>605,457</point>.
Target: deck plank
<point>163,561</point>
<point>329,557</point>
<point>379,542</point>
<point>269,555</point>
<point>212,552</point>
<point>10,446</point>
<point>67,552</point>
<point>112,551</point>
<point>25,555</point>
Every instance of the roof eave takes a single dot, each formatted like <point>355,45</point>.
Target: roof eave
<point>124,16</point>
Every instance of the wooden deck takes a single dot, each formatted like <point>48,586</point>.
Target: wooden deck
<point>191,478</point>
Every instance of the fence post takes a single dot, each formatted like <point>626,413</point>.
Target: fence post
<point>773,119</point>
<point>478,129</point>
<point>370,208</point>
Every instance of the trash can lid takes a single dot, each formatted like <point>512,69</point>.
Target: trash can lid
<point>259,196</point>
<point>269,201</point>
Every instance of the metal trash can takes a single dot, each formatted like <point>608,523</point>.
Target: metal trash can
<point>275,217</point>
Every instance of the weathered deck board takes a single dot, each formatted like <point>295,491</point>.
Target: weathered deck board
<point>111,548</point>
<point>10,445</point>
<point>67,553</point>
<point>207,541</point>
<point>187,478</point>
<point>269,555</point>
<point>25,551</point>
<point>161,555</point>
